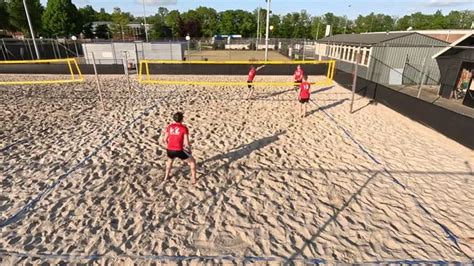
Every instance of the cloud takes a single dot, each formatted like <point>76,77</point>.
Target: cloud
<point>158,2</point>
<point>445,3</point>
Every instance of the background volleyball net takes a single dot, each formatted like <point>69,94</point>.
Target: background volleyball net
<point>168,71</point>
<point>67,66</point>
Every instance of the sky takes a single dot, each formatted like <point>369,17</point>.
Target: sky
<point>314,7</point>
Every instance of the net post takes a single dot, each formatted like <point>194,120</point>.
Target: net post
<point>125,68</point>
<point>97,80</point>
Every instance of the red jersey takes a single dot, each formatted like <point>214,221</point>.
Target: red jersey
<point>304,90</point>
<point>252,74</point>
<point>298,74</point>
<point>176,133</point>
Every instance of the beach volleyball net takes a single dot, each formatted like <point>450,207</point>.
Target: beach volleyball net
<point>67,66</point>
<point>168,72</point>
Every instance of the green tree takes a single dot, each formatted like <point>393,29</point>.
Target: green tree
<point>102,31</point>
<point>191,24</point>
<point>173,21</point>
<point>317,28</point>
<point>103,16</point>
<point>4,16</point>
<point>60,18</point>
<point>120,20</point>
<point>18,19</point>
<point>159,28</point>
<point>208,19</point>
<point>87,16</point>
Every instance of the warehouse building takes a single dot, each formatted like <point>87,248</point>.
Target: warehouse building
<point>386,58</point>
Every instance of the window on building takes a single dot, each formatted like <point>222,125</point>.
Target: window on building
<point>367,57</point>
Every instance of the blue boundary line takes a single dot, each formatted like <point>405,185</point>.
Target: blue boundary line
<point>32,203</point>
<point>449,234</point>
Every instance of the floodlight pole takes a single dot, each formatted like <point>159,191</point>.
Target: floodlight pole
<point>144,21</point>
<point>31,30</point>
<point>267,30</point>
<point>258,27</point>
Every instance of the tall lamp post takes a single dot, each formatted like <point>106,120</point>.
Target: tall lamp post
<point>267,30</point>
<point>345,23</point>
<point>31,30</point>
<point>144,21</point>
<point>188,39</point>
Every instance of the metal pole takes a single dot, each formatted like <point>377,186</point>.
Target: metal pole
<point>98,82</point>
<point>304,49</point>
<point>317,31</point>
<point>354,80</point>
<point>421,78</point>
<point>267,29</point>
<point>75,45</point>
<point>31,30</point>
<point>125,68</point>
<point>144,21</point>
<point>258,27</point>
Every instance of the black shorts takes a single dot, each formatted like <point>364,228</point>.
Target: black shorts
<point>304,100</point>
<point>177,154</point>
<point>250,85</point>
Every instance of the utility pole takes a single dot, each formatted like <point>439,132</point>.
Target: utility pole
<point>258,28</point>
<point>144,21</point>
<point>267,30</point>
<point>31,30</point>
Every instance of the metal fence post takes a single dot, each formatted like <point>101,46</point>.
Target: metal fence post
<point>354,81</point>
<point>97,80</point>
<point>421,78</point>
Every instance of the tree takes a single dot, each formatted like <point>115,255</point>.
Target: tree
<point>208,19</point>
<point>17,17</point>
<point>120,20</point>
<point>102,31</point>
<point>191,24</point>
<point>173,21</point>
<point>103,16</point>
<point>87,16</point>
<point>317,28</point>
<point>4,16</point>
<point>60,18</point>
<point>159,28</point>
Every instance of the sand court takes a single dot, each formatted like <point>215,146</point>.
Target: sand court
<point>270,185</point>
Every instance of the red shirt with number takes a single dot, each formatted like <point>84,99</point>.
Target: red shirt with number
<point>252,74</point>
<point>299,73</point>
<point>176,133</point>
<point>304,90</point>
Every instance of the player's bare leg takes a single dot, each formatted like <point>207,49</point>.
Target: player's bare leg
<point>192,165</point>
<point>304,110</point>
<point>169,166</point>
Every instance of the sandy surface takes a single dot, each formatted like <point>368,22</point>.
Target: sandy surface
<point>270,185</point>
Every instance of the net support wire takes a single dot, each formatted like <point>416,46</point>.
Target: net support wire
<point>75,77</point>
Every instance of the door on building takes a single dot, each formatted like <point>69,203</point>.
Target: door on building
<point>465,83</point>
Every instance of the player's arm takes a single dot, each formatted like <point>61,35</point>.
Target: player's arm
<point>260,67</point>
<point>187,144</point>
<point>164,140</point>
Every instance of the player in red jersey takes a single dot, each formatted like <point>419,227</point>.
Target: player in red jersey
<point>251,77</point>
<point>298,76</point>
<point>177,144</point>
<point>305,93</point>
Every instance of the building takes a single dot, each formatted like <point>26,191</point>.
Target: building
<point>386,58</point>
<point>456,64</point>
<point>114,52</point>
<point>447,35</point>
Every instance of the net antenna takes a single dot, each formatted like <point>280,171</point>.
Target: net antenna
<point>145,76</point>
<point>74,71</point>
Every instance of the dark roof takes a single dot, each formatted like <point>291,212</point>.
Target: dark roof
<point>364,39</point>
